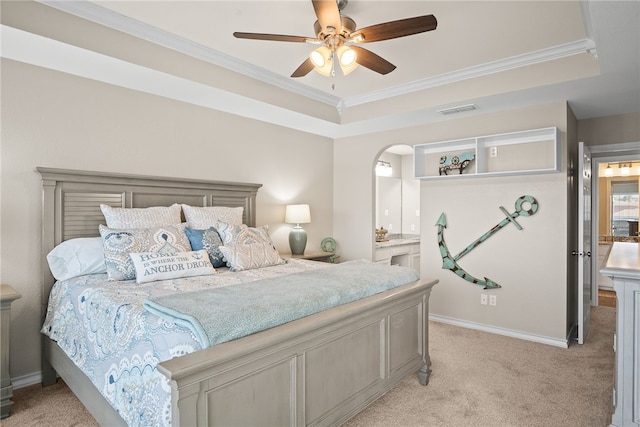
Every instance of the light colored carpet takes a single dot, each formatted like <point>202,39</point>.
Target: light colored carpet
<point>478,379</point>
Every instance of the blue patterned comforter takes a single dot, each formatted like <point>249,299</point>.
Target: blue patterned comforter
<point>103,327</point>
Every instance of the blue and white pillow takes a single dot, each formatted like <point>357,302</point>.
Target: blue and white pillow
<point>210,241</point>
<point>119,243</point>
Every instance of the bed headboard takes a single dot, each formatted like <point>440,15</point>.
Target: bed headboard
<point>71,202</point>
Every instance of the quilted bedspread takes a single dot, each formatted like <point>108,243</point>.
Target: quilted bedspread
<point>224,314</point>
<point>103,327</point>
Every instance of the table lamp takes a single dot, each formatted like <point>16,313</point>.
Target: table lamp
<point>297,214</point>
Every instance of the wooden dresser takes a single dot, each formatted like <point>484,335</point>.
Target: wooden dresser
<point>623,266</point>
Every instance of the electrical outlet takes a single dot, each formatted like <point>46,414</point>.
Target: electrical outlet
<point>493,300</point>
<point>413,227</point>
<point>483,299</point>
<point>493,152</point>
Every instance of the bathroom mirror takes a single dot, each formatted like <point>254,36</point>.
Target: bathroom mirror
<point>397,204</point>
<point>389,201</point>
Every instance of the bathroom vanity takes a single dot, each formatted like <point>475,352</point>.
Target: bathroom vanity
<point>402,251</point>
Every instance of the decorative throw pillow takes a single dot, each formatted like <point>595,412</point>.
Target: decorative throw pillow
<point>119,243</point>
<point>208,240</point>
<point>141,217</point>
<point>251,255</point>
<point>201,218</point>
<point>243,234</point>
<point>152,266</point>
<point>77,257</point>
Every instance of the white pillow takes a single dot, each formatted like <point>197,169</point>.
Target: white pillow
<point>251,255</point>
<point>152,266</point>
<point>77,257</point>
<point>155,216</point>
<point>201,218</point>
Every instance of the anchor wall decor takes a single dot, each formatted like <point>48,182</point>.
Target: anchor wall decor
<point>525,206</point>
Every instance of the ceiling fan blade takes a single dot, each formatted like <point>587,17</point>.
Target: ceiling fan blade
<point>370,60</point>
<point>303,69</point>
<point>395,29</point>
<point>328,15</point>
<point>271,37</point>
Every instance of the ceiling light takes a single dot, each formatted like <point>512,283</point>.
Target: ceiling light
<point>608,171</point>
<point>347,59</point>
<point>625,170</point>
<point>383,168</point>
<point>321,58</point>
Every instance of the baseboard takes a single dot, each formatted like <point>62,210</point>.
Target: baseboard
<point>500,331</point>
<point>26,380</point>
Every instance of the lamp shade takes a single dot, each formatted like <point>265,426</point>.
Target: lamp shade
<point>297,214</point>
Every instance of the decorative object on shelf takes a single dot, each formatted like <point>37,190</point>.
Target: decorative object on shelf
<point>381,235</point>
<point>525,206</point>
<point>458,161</point>
<point>383,168</point>
<point>534,151</point>
<point>328,244</point>
<point>297,214</point>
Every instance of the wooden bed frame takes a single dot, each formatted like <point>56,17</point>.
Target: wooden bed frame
<point>319,370</point>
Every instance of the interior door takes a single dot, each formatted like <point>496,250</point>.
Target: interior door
<point>584,242</point>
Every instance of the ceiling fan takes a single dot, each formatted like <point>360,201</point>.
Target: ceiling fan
<point>338,39</point>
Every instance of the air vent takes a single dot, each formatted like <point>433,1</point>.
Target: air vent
<point>458,109</point>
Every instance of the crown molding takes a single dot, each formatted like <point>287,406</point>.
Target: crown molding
<point>530,58</point>
<point>33,49</point>
<point>106,17</point>
<point>125,24</point>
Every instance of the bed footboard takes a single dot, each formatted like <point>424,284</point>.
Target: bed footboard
<point>319,370</point>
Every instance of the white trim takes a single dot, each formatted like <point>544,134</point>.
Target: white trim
<point>530,58</point>
<point>111,19</point>
<point>125,24</point>
<point>36,50</point>
<point>26,380</point>
<point>613,149</point>
<point>500,331</point>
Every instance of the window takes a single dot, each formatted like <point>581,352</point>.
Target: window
<point>625,204</point>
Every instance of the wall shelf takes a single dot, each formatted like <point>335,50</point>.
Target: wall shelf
<point>515,153</point>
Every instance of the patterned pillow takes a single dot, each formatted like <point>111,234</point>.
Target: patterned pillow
<point>251,255</point>
<point>119,243</point>
<point>141,217</point>
<point>152,266</point>
<point>243,234</point>
<point>208,240</point>
<point>202,218</point>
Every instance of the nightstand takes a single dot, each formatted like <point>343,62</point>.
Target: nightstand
<point>7,296</point>
<point>315,256</point>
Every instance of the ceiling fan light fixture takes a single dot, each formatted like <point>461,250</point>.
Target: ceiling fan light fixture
<point>347,59</point>
<point>347,55</point>
<point>317,58</point>
<point>321,58</point>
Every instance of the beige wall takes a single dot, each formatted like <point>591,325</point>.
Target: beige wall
<point>530,264</point>
<point>610,130</point>
<point>56,120</point>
